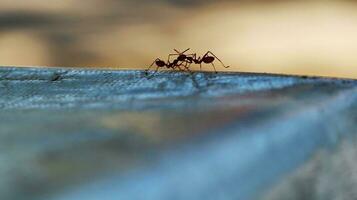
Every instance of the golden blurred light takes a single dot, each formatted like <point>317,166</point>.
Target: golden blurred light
<point>294,37</point>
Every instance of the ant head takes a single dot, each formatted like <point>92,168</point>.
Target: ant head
<point>208,59</point>
<point>160,63</point>
<point>182,57</point>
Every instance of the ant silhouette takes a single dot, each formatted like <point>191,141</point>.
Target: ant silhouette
<point>207,58</point>
<point>177,63</point>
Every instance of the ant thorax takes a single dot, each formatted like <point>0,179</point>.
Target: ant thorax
<point>181,57</point>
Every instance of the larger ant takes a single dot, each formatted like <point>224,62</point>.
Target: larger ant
<point>207,58</point>
<point>177,63</point>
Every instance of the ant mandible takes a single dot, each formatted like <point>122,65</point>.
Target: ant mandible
<point>207,58</point>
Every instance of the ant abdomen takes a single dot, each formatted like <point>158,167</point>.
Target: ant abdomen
<point>208,59</point>
<point>160,63</point>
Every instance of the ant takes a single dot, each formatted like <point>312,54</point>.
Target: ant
<point>207,58</point>
<point>170,65</point>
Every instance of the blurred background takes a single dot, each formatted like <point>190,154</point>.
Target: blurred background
<point>312,37</point>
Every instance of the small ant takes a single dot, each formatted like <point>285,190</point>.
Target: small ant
<point>207,58</point>
<point>170,65</point>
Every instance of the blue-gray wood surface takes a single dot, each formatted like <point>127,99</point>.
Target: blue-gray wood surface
<point>69,134</point>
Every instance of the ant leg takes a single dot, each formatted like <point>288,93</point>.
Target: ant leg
<point>171,54</point>
<point>180,69</point>
<point>181,52</point>
<point>209,52</point>
<point>214,68</point>
<point>146,71</point>
<point>187,68</point>
<point>156,70</point>
<point>176,68</point>
<point>179,66</point>
<point>189,65</point>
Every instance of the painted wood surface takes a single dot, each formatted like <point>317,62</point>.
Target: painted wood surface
<point>106,134</point>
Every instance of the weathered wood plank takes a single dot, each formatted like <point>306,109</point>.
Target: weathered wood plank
<point>103,134</point>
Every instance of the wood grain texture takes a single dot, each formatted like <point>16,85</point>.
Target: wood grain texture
<point>104,134</point>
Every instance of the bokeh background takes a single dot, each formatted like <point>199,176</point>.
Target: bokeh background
<point>312,37</point>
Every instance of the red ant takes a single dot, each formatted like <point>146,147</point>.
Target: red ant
<point>207,58</point>
<point>170,65</point>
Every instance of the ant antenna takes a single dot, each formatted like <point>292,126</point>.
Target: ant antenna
<point>181,52</point>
